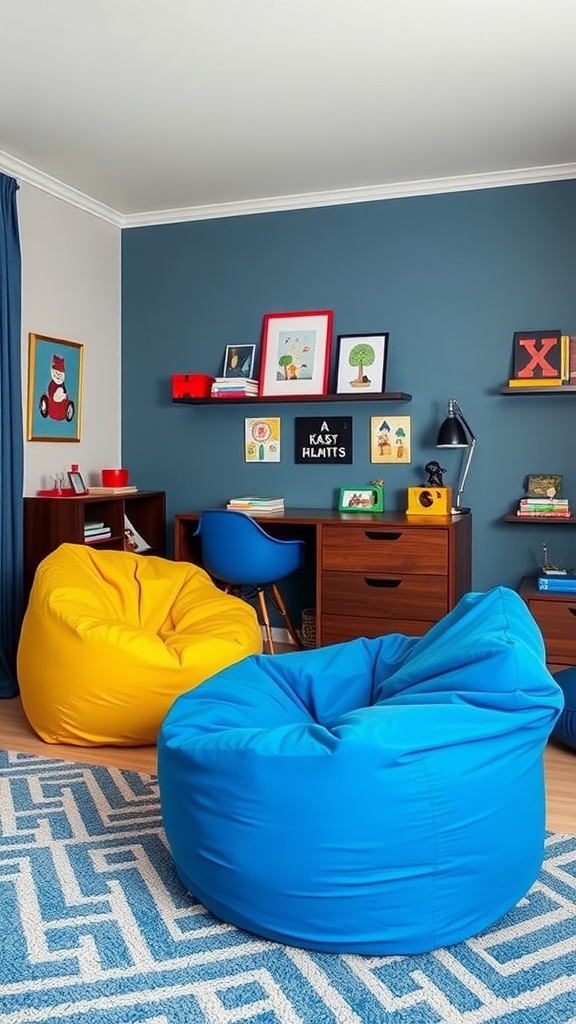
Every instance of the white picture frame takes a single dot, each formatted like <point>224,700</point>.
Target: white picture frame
<point>355,375</point>
<point>239,361</point>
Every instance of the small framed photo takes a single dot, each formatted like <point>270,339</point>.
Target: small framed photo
<point>544,485</point>
<point>296,353</point>
<point>361,363</point>
<point>362,499</point>
<point>77,483</point>
<point>239,361</point>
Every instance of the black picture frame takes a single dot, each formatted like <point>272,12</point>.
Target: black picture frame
<point>536,355</point>
<point>77,483</point>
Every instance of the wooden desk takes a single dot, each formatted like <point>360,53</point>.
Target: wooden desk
<point>375,572</point>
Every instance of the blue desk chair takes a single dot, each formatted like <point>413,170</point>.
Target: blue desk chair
<point>239,554</point>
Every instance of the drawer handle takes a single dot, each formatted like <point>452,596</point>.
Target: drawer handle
<point>390,584</point>
<point>385,535</point>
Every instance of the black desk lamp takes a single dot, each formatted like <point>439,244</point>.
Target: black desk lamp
<point>455,432</point>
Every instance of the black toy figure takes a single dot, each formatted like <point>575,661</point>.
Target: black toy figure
<point>434,471</point>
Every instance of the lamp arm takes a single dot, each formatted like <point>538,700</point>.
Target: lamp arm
<point>465,467</point>
<point>463,419</point>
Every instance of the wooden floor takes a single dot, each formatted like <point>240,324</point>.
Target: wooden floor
<point>16,734</point>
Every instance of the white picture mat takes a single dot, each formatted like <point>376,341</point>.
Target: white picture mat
<point>346,381</point>
<point>305,338</point>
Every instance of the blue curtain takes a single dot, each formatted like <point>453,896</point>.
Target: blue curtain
<point>11,439</point>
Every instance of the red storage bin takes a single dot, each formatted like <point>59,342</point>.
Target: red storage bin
<point>191,385</point>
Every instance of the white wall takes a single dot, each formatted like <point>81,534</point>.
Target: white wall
<point>71,290</point>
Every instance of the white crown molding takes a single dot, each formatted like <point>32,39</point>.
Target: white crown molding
<point>31,176</point>
<point>365,194</point>
<point>275,204</point>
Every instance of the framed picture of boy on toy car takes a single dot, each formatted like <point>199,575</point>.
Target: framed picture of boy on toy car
<point>55,376</point>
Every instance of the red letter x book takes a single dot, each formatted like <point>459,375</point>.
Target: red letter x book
<point>537,355</point>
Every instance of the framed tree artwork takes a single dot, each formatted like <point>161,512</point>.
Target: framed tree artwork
<point>361,363</point>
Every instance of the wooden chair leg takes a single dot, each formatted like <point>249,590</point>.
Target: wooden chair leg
<point>284,613</point>
<point>266,620</point>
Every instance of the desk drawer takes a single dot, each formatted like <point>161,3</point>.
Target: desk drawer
<point>557,621</point>
<point>385,549</point>
<point>374,595</point>
<point>336,629</point>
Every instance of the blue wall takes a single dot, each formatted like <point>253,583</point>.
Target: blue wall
<point>451,277</point>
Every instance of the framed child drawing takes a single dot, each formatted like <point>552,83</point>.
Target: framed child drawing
<point>55,378</point>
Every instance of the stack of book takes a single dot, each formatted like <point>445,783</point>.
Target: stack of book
<point>256,506</point>
<point>234,387</point>
<point>557,581</point>
<point>543,508</point>
<point>94,532</point>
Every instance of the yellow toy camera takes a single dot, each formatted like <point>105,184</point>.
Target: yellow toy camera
<point>429,501</point>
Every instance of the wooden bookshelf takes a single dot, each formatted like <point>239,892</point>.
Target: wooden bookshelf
<point>49,522</point>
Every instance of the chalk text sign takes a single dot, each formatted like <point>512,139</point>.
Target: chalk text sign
<point>323,442</point>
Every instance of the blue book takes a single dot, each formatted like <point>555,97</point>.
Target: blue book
<point>558,584</point>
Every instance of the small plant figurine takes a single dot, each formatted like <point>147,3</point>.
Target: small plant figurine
<point>361,355</point>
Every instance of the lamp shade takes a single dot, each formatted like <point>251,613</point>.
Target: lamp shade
<point>452,434</point>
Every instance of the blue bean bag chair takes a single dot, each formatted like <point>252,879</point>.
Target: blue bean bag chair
<point>377,796</point>
<point>565,728</point>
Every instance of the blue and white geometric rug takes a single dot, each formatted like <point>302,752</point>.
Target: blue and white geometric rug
<point>96,929</point>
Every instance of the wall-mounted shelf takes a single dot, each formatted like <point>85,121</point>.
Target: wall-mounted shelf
<point>564,389</point>
<point>384,396</point>
<point>538,520</point>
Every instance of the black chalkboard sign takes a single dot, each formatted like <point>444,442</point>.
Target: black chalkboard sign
<point>321,441</point>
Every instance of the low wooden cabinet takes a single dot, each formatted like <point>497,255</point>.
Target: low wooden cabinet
<point>556,617</point>
<point>49,522</point>
<point>375,573</point>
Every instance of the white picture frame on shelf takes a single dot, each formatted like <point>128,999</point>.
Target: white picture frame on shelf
<point>239,361</point>
<point>361,368</point>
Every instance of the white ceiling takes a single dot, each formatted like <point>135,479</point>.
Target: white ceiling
<point>152,110</point>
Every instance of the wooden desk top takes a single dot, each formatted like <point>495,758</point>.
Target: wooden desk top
<point>318,516</point>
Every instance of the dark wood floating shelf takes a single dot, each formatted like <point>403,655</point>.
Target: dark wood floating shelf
<point>384,396</point>
<point>564,389</point>
<point>549,520</point>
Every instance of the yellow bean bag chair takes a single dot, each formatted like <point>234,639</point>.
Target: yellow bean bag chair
<point>110,639</point>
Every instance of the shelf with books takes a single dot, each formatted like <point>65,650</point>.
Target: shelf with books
<point>384,396</point>
<point>562,389</point>
<point>535,520</point>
